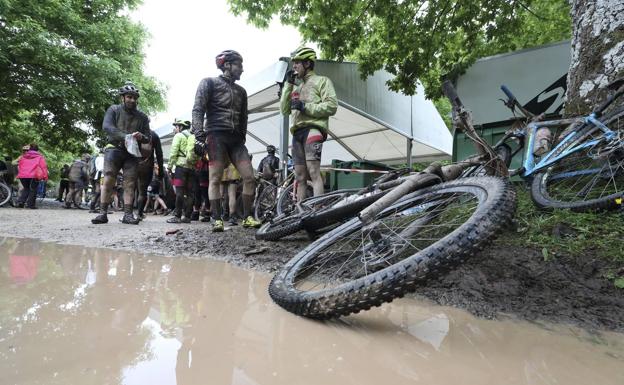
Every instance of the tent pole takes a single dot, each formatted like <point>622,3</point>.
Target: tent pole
<point>409,153</point>
<point>283,148</point>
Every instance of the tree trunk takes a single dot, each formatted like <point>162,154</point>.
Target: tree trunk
<point>597,52</point>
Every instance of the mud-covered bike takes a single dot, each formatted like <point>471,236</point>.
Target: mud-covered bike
<point>430,222</point>
<point>584,170</point>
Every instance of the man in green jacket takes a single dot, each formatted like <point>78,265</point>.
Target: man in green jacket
<point>181,157</point>
<point>311,99</point>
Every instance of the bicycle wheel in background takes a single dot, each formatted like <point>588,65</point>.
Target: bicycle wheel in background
<point>589,179</point>
<point>286,200</point>
<point>265,204</point>
<point>5,194</point>
<point>355,267</point>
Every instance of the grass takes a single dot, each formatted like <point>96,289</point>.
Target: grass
<point>562,232</point>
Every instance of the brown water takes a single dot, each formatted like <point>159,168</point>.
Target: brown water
<point>71,315</point>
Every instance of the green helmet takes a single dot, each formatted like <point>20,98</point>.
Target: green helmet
<point>183,123</point>
<point>304,53</point>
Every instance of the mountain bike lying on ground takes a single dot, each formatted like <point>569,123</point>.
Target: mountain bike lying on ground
<point>584,171</point>
<point>426,225</point>
<point>324,215</point>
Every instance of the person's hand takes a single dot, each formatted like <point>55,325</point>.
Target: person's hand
<point>297,105</point>
<point>291,76</point>
<point>137,135</point>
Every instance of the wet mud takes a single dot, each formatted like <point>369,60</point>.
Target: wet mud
<point>500,282</point>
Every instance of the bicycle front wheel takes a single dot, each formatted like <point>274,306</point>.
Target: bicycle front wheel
<point>421,236</point>
<point>590,179</point>
<point>5,194</point>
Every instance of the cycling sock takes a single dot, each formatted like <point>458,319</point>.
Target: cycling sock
<point>215,208</point>
<point>247,204</point>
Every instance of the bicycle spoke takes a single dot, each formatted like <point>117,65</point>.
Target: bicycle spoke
<point>399,234</point>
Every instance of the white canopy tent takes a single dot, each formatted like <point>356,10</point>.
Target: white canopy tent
<point>372,123</point>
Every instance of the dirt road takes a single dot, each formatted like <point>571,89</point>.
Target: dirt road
<point>501,281</point>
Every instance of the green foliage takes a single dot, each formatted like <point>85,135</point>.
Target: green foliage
<point>61,62</point>
<point>562,232</point>
<point>415,39</point>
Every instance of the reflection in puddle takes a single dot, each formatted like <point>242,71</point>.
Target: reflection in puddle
<point>71,315</point>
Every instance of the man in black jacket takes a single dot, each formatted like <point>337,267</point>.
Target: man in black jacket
<point>223,104</point>
<point>122,122</point>
<point>269,164</point>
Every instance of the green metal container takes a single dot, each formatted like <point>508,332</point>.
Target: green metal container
<point>347,179</point>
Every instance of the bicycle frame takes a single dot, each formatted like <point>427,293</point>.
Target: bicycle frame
<point>530,166</point>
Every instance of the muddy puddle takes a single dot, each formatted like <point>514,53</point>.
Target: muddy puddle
<point>72,315</point>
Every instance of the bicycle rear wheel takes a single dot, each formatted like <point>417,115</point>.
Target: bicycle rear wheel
<point>590,179</point>
<point>355,267</point>
<point>5,194</point>
<point>287,224</point>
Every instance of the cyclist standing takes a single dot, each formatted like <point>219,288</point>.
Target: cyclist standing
<point>269,164</point>
<point>312,100</point>
<point>180,160</point>
<point>220,120</point>
<point>78,178</point>
<point>120,122</point>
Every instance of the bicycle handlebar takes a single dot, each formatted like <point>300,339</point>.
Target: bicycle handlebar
<point>507,92</point>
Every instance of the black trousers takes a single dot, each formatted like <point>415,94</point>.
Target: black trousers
<point>28,195</point>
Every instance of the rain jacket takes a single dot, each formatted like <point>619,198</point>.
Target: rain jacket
<point>224,105</point>
<point>318,94</point>
<point>32,165</point>
<point>180,146</point>
<point>118,122</point>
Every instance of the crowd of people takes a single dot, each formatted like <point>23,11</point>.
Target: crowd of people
<point>209,173</point>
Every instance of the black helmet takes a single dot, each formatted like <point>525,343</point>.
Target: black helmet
<point>227,56</point>
<point>129,88</point>
<point>271,149</point>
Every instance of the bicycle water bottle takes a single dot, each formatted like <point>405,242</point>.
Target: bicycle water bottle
<point>542,142</point>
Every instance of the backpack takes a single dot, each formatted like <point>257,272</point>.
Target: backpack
<point>189,151</point>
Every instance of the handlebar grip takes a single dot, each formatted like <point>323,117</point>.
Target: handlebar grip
<point>508,92</point>
<point>449,91</point>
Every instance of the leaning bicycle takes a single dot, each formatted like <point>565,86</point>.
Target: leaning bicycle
<point>584,170</point>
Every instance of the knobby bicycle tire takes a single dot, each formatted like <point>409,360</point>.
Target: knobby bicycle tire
<point>488,204</point>
<point>279,227</point>
<point>5,194</point>
<point>590,179</point>
<point>287,224</point>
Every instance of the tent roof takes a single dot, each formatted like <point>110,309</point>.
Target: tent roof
<point>372,122</point>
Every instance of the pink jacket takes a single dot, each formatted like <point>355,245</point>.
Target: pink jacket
<point>32,165</point>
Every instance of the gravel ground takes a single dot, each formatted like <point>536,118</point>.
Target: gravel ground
<point>500,281</point>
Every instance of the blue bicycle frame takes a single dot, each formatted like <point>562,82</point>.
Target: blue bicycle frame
<point>530,166</point>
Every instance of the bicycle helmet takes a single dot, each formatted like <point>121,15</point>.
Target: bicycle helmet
<point>304,53</point>
<point>227,56</point>
<point>129,88</point>
<point>183,123</point>
<point>271,149</point>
